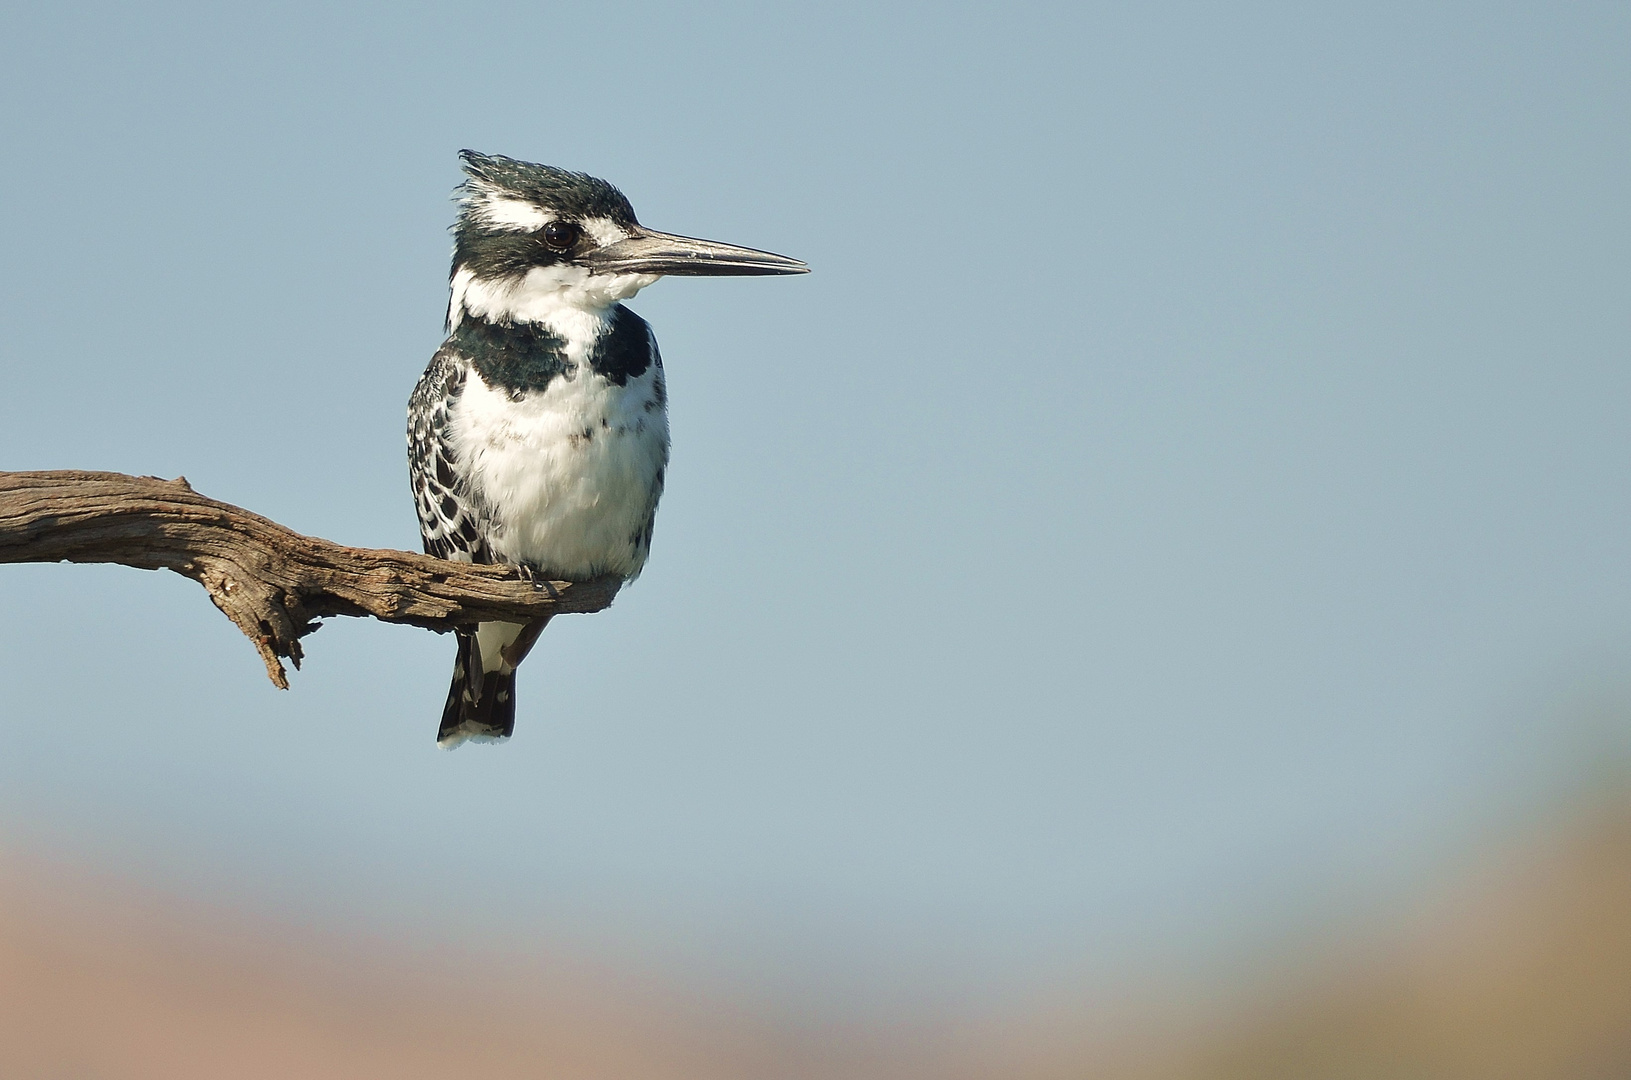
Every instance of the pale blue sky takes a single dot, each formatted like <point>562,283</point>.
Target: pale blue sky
<point>1190,489</point>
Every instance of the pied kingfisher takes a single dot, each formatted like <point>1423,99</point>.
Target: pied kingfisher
<point>538,435</point>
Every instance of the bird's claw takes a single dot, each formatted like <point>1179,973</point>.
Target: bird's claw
<point>538,580</point>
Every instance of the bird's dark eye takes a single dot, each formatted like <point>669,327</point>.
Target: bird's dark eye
<point>561,235</point>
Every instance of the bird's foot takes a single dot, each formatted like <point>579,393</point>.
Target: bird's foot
<point>538,579</point>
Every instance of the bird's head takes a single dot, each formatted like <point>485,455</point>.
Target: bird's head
<point>534,239</point>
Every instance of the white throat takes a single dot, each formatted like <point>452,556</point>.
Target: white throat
<point>567,299</point>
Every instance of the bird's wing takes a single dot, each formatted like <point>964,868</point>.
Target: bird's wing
<point>450,518</point>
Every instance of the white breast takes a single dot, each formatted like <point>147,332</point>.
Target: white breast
<point>567,474</point>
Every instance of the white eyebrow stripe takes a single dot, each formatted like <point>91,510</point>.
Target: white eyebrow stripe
<point>604,231</point>
<point>511,215</point>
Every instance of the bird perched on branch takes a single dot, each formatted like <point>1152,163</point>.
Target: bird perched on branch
<point>538,435</point>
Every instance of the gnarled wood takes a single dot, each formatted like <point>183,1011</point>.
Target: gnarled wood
<point>271,581</point>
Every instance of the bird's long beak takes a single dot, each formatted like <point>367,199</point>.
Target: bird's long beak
<point>650,252</point>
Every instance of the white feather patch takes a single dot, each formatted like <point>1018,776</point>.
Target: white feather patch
<point>493,638</point>
<point>567,298</point>
<point>458,738</point>
<point>510,215</point>
<point>604,231</point>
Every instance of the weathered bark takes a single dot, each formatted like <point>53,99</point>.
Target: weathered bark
<point>272,582</point>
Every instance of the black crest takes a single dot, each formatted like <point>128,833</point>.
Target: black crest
<point>570,194</point>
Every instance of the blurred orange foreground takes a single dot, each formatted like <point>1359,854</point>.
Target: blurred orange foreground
<point>1520,968</point>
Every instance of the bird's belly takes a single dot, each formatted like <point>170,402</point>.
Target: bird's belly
<point>567,476</point>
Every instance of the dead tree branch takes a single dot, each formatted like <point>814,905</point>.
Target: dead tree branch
<point>275,584</point>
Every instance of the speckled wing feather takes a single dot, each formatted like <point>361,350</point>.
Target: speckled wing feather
<point>449,516</point>
<point>479,705</point>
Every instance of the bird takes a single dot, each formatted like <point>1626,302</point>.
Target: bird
<point>538,434</point>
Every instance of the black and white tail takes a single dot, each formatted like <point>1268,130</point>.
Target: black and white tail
<point>481,702</point>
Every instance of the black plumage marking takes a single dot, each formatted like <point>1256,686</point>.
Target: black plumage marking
<point>522,357</point>
<point>477,703</point>
<point>517,357</point>
<point>447,510</point>
<point>625,350</point>
<point>642,539</point>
